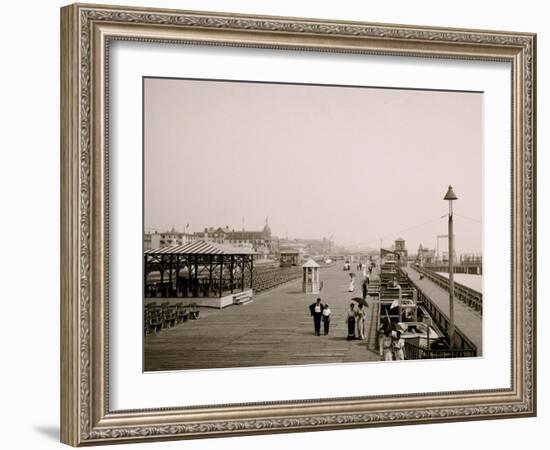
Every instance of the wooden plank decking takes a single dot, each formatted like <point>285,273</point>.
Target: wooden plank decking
<point>275,329</point>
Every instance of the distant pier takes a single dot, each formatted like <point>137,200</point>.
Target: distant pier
<point>471,269</point>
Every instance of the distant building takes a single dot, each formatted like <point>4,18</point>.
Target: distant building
<point>290,258</point>
<point>312,247</point>
<point>155,239</point>
<point>471,258</point>
<point>259,241</point>
<point>401,250</point>
<point>151,240</point>
<point>216,235</point>
<point>425,256</point>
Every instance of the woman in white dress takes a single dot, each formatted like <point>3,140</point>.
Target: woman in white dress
<point>326,319</point>
<point>361,314</point>
<point>351,287</point>
<point>398,346</point>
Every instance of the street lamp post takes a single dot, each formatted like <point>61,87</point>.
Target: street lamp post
<point>450,196</point>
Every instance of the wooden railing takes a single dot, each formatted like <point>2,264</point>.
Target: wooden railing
<point>473,268</point>
<point>441,320</point>
<point>415,351</point>
<point>463,293</point>
<point>268,278</point>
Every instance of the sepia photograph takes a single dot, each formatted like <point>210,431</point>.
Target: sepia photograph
<point>293,224</point>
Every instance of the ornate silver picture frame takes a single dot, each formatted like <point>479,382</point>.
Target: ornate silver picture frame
<point>87,33</point>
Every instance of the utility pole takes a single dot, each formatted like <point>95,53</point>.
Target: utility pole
<point>450,196</point>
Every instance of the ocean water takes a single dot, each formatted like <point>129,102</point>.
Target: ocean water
<point>474,282</point>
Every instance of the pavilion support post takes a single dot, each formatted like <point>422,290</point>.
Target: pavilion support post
<point>176,278</point>
<point>251,271</point>
<point>221,275</point>
<point>170,285</point>
<point>185,286</point>
<point>210,273</point>
<point>243,260</point>
<point>177,274</point>
<point>145,276</point>
<point>196,283</point>
<point>191,276</point>
<point>231,270</point>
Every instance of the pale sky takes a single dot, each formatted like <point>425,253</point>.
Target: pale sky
<point>355,163</point>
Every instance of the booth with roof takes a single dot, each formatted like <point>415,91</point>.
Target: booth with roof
<point>310,280</point>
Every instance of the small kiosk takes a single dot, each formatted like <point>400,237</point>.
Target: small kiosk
<point>310,280</point>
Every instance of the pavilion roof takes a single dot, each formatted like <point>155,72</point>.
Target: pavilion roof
<point>310,263</point>
<point>200,248</point>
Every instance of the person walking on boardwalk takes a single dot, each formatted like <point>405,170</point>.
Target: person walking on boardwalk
<point>360,314</point>
<point>350,320</point>
<point>316,310</point>
<point>326,319</point>
<point>351,287</point>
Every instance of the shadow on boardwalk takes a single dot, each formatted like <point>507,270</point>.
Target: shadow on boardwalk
<point>274,330</point>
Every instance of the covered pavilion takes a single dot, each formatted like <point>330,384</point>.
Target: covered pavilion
<point>197,269</point>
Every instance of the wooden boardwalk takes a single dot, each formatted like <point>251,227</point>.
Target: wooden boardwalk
<point>467,320</point>
<point>276,329</point>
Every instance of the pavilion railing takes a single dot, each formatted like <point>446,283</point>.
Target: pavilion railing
<point>268,278</point>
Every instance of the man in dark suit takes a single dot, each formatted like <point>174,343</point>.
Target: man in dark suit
<point>316,310</point>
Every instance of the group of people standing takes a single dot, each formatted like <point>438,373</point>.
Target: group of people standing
<point>355,319</point>
<point>364,267</point>
<point>320,311</point>
<point>366,280</point>
<point>391,345</point>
